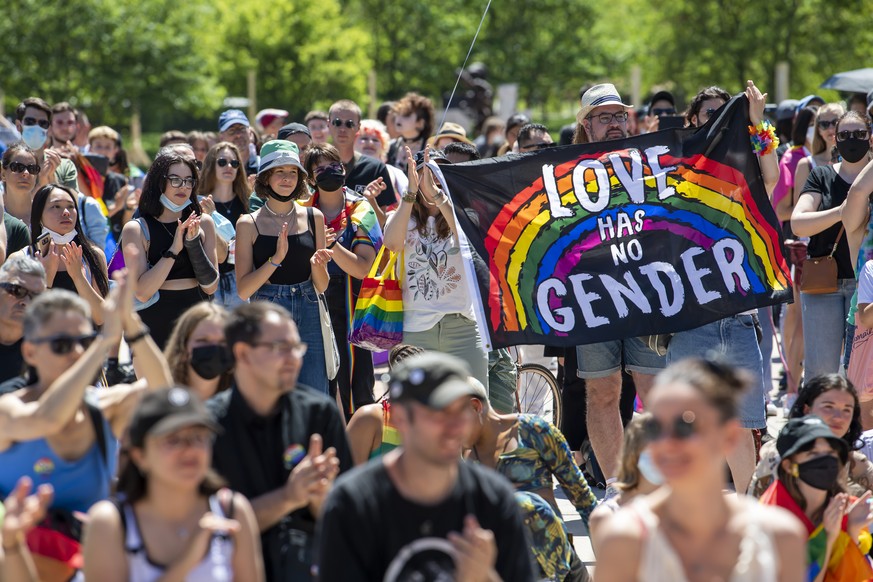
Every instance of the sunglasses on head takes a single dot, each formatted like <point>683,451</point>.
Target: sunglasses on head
<point>857,134</point>
<point>64,344</point>
<point>43,123</point>
<point>682,428</point>
<point>18,168</point>
<point>18,291</point>
<point>222,162</point>
<point>337,122</point>
<point>826,123</point>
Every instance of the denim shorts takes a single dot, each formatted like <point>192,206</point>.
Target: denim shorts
<point>301,300</point>
<point>603,359</point>
<point>735,339</point>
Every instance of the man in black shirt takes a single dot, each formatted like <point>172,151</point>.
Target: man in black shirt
<point>345,121</point>
<point>271,449</point>
<point>21,279</point>
<point>427,515</point>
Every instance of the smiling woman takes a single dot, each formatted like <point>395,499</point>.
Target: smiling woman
<point>691,529</point>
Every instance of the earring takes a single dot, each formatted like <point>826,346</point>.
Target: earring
<point>795,470</point>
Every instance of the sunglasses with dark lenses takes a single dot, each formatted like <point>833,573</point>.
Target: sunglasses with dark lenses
<point>857,134</point>
<point>660,112</point>
<point>222,162</point>
<point>709,112</point>
<point>64,344</point>
<point>43,123</point>
<point>348,123</point>
<point>18,291</point>
<point>18,168</point>
<point>682,428</point>
<point>826,123</point>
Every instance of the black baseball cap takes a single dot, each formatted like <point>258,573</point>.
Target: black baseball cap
<point>517,120</point>
<point>292,128</point>
<point>799,432</point>
<point>166,410</point>
<point>436,156</point>
<point>663,96</point>
<point>430,378</point>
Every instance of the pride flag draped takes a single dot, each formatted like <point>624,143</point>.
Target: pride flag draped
<point>657,233</point>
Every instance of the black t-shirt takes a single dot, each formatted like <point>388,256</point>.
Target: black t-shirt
<point>368,531</point>
<point>11,361</point>
<point>255,454</point>
<point>17,234</point>
<point>833,190</point>
<point>363,170</point>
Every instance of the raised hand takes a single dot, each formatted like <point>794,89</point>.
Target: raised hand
<point>71,256</point>
<point>476,552</point>
<point>373,189</point>
<point>757,101</point>
<point>411,172</point>
<point>860,513</point>
<point>24,510</point>
<point>832,520</point>
<point>50,261</point>
<point>317,470</point>
<point>281,245</point>
<point>192,226</point>
<point>208,204</point>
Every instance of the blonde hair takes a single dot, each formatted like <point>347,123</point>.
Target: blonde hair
<point>377,129</point>
<point>105,132</point>
<point>632,447</point>
<point>818,143</point>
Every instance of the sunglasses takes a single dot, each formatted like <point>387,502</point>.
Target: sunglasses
<point>222,162</point>
<point>64,344</point>
<point>682,428</point>
<point>18,291</point>
<point>43,123</point>
<point>660,112</point>
<point>351,124</point>
<point>826,123</point>
<point>857,134</point>
<point>19,168</point>
<point>538,146</point>
<point>177,182</point>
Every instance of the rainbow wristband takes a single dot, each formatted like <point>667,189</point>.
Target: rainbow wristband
<point>763,137</point>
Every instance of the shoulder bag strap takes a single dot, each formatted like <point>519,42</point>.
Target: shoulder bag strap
<point>837,242</point>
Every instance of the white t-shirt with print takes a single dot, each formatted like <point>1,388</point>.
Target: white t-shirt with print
<point>434,281</point>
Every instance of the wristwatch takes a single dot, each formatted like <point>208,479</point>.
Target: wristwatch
<point>168,254</point>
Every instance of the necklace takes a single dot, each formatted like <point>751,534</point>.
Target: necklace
<point>280,214</point>
<point>172,235</point>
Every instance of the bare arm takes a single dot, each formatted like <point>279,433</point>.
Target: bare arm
<point>620,549</point>
<point>806,220</point>
<point>856,211</point>
<point>3,239</point>
<point>394,235</point>
<point>768,162</point>
<point>210,246</point>
<point>365,432</point>
<point>356,263</point>
<point>103,545</point>
<point>248,561</point>
<point>149,279</point>
<point>322,256</point>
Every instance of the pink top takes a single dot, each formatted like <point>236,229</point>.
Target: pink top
<point>787,166</point>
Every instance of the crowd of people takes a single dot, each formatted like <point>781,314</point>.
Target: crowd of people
<point>180,399</point>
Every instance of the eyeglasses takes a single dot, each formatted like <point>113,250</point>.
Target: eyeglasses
<point>176,442</point>
<point>19,168</point>
<point>64,344</point>
<point>222,162</point>
<point>660,112</point>
<point>682,428</point>
<point>606,118</point>
<point>826,123</point>
<point>538,146</point>
<point>280,348</point>
<point>43,123</point>
<point>857,134</point>
<point>350,123</point>
<point>18,291</point>
<point>177,182</point>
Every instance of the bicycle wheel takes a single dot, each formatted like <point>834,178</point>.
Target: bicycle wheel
<point>537,393</point>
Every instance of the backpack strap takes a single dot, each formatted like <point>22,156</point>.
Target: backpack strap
<point>99,430</point>
<point>145,231</point>
<point>310,213</point>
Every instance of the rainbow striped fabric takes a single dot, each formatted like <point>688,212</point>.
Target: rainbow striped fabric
<point>378,320</point>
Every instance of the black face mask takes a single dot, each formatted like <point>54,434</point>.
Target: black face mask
<point>330,180</point>
<point>280,198</point>
<point>820,473</point>
<point>853,150</point>
<point>211,361</point>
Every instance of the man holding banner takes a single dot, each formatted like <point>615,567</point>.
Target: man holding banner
<point>612,240</point>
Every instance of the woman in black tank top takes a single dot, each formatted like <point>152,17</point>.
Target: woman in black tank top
<point>223,188</point>
<point>177,257</point>
<point>281,255</point>
<point>71,261</point>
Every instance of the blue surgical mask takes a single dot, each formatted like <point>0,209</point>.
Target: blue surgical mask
<point>34,136</point>
<point>648,469</point>
<point>172,206</point>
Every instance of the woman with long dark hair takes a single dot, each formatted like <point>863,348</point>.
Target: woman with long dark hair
<point>177,259</point>
<point>356,238</point>
<point>71,260</point>
<point>223,188</point>
<point>172,519</point>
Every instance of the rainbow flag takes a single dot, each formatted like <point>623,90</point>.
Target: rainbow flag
<point>656,233</point>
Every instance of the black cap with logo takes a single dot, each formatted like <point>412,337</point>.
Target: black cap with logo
<point>167,410</point>
<point>799,432</point>
<point>432,379</point>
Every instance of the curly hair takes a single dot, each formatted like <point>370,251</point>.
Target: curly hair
<point>421,106</point>
<point>704,95</point>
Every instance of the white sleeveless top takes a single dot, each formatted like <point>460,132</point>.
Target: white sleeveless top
<point>757,561</point>
<point>216,565</point>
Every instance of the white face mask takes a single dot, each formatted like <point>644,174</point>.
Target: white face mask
<point>810,134</point>
<point>61,239</point>
<point>34,136</point>
<point>172,206</point>
<point>649,470</point>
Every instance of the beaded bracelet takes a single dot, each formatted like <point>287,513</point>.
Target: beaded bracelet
<point>410,196</point>
<point>764,139</point>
